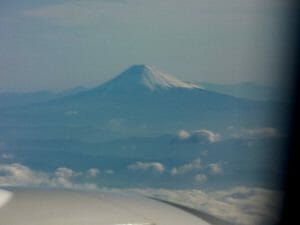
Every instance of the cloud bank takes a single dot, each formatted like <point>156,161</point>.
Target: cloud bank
<point>191,166</point>
<point>239,205</point>
<point>200,178</point>
<point>203,136</point>
<point>143,166</point>
<point>93,172</point>
<point>19,175</point>
<point>215,168</point>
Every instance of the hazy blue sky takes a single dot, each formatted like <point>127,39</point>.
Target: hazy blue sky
<point>56,44</point>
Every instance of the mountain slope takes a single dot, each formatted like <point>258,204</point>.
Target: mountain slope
<point>14,99</point>
<point>142,100</point>
<point>147,77</point>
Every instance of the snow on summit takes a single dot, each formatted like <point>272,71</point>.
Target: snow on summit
<point>148,77</point>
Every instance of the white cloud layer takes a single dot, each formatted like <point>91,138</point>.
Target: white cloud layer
<point>93,172</point>
<point>19,175</point>
<point>215,168</point>
<point>183,135</point>
<point>64,172</point>
<point>199,136</point>
<point>200,178</point>
<point>154,166</point>
<point>191,166</point>
<point>240,205</point>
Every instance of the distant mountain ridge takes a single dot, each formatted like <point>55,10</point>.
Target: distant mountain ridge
<point>249,90</point>
<point>13,99</point>
<point>147,78</point>
<point>142,100</point>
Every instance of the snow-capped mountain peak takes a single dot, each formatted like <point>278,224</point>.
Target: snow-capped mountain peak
<point>147,77</point>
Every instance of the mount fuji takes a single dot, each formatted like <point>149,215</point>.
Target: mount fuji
<point>143,101</point>
<point>146,77</point>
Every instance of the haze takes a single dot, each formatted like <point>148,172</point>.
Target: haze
<point>61,44</point>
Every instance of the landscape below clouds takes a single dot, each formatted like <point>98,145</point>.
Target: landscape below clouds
<point>239,205</point>
<point>253,158</point>
<point>149,133</point>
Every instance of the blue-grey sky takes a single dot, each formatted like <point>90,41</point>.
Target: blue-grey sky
<point>57,44</point>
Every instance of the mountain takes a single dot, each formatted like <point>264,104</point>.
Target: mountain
<point>141,100</point>
<point>13,99</point>
<point>145,77</point>
<point>249,90</point>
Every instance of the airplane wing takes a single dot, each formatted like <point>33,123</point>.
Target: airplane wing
<point>200,214</point>
<point>65,207</point>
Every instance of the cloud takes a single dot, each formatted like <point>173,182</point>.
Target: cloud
<point>215,168</point>
<point>257,133</point>
<point>154,166</point>
<point>93,172</point>
<point>254,205</point>
<point>183,135</point>
<point>200,178</point>
<point>64,172</point>
<point>19,175</point>
<point>191,166</point>
<point>203,136</point>
<point>239,205</point>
